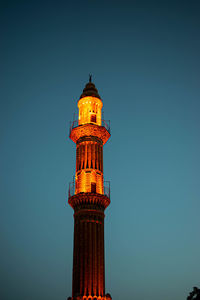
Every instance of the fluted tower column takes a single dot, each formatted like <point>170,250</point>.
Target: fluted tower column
<point>89,197</point>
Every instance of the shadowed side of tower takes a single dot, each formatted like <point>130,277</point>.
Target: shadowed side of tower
<point>89,196</point>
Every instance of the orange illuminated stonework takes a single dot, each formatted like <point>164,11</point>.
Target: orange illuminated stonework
<point>90,129</point>
<point>89,196</point>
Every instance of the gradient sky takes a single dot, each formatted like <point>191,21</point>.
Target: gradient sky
<point>145,61</point>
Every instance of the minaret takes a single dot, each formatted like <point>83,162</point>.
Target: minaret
<point>89,196</point>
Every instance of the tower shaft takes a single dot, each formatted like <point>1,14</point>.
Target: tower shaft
<point>88,262</point>
<point>89,197</point>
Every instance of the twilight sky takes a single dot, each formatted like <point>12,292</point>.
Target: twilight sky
<point>145,61</point>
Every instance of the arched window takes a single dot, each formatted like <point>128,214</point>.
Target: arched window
<point>93,187</point>
<point>93,118</point>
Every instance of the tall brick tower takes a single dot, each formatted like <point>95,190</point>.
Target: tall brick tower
<point>89,196</point>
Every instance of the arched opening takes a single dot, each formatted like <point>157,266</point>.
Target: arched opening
<point>93,118</point>
<point>93,187</point>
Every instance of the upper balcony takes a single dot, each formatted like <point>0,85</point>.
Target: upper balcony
<point>75,123</point>
<point>78,131</point>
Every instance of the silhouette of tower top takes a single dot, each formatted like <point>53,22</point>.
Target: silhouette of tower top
<point>90,90</point>
<point>89,195</point>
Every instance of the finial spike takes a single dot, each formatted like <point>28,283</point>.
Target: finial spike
<point>90,77</point>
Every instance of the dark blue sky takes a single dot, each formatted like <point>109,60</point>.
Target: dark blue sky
<point>144,56</point>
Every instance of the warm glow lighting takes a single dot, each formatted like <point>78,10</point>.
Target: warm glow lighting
<point>90,110</point>
<point>88,199</point>
<point>89,159</point>
<point>89,168</point>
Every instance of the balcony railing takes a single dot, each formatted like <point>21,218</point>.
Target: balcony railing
<point>71,191</point>
<point>107,188</point>
<point>104,123</point>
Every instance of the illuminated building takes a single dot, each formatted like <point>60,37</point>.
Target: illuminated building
<point>89,196</point>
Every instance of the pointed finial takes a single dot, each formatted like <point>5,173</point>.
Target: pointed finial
<point>90,77</point>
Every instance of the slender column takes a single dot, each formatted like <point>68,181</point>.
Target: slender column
<point>95,259</point>
<point>93,155</point>
<point>81,154</point>
<point>85,157</point>
<point>99,158</point>
<point>89,201</point>
<point>85,259</point>
<point>90,258</point>
<point>81,257</point>
<point>89,154</point>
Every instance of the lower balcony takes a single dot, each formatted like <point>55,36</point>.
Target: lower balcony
<point>92,189</point>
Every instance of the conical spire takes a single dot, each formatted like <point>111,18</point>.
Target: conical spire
<point>90,90</point>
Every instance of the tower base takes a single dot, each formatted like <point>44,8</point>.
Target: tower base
<point>106,297</point>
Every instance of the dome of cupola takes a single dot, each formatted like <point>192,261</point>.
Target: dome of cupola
<point>90,90</point>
